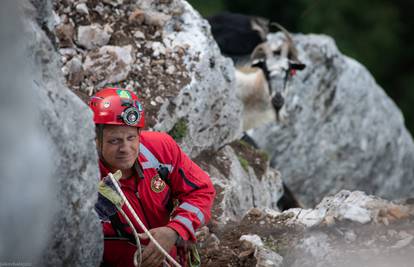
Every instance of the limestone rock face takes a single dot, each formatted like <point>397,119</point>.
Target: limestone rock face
<point>341,130</point>
<point>265,257</point>
<point>109,64</point>
<point>93,36</point>
<point>353,229</point>
<point>238,187</point>
<point>74,71</point>
<point>209,100</point>
<point>57,168</point>
<point>353,206</point>
<point>26,191</point>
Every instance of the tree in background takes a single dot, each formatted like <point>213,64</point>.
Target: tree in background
<point>378,33</point>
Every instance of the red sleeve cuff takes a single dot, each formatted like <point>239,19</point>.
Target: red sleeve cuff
<point>181,230</point>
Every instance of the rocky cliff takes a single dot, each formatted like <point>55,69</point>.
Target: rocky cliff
<point>164,50</point>
<point>25,167</point>
<point>50,172</point>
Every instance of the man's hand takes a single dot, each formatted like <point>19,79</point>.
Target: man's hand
<point>152,256</point>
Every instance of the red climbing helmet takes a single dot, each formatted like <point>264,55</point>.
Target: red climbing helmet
<point>117,106</point>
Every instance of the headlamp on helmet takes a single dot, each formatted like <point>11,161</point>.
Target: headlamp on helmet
<point>117,107</point>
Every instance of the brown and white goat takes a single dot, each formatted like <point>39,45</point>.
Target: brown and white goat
<point>262,85</point>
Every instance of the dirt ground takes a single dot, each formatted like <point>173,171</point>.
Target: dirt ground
<point>232,252</point>
<point>374,243</point>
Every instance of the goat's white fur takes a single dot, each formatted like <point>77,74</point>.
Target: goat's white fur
<point>252,88</point>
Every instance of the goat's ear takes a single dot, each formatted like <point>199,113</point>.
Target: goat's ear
<point>296,65</point>
<point>258,63</point>
<point>261,51</point>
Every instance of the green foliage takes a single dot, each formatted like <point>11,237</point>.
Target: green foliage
<point>263,154</point>
<point>244,144</point>
<point>361,35</point>
<point>207,8</point>
<point>179,131</point>
<point>243,162</point>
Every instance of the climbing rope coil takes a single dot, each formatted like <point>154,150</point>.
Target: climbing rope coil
<point>117,197</point>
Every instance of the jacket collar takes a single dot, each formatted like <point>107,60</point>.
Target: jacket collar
<point>105,170</point>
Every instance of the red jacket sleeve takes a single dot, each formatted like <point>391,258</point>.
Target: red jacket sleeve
<point>194,190</point>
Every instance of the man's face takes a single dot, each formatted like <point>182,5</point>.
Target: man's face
<point>120,146</point>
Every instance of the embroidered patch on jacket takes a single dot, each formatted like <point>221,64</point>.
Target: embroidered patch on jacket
<point>157,184</point>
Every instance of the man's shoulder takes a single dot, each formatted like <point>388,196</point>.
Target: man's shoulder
<point>154,136</point>
<point>149,138</point>
<point>160,144</point>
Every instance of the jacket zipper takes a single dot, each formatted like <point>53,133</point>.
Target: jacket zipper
<point>140,203</point>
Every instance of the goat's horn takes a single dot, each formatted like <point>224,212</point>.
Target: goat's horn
<point>286,32</point>
<point>260,25</point>
<point>261,51</point>
<point>291,47</point>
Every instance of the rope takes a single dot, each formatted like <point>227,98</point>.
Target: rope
<point>137,254</point>
<point>115,182</point>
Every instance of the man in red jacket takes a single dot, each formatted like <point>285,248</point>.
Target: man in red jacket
<point>169,192</point>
